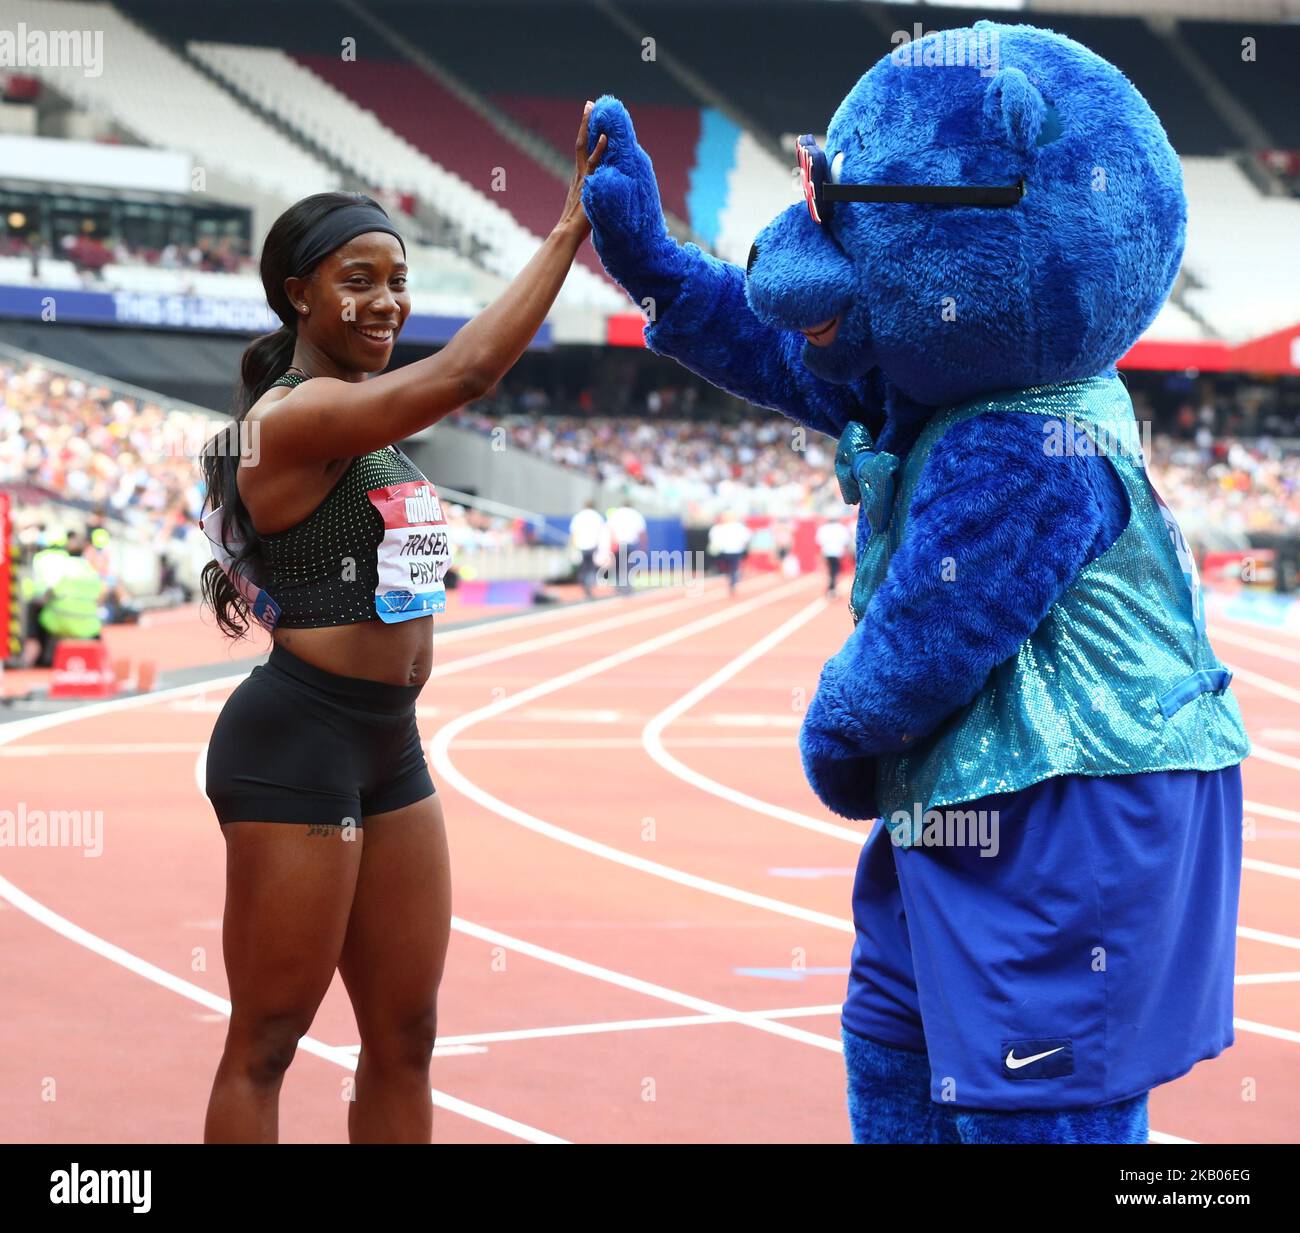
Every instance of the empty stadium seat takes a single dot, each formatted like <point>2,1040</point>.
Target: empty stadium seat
<point>299,92</point>
<point>164,101</point>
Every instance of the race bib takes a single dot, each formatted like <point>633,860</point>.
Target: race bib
<point>1186,560</point>
<point>414,553</point>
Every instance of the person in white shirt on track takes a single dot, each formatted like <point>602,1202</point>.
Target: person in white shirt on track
<point>627,529</point>
<point>728,541</point>
<point>833,538</point>
<point>588,535</point>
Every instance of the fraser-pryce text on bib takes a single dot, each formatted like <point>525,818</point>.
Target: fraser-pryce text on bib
<point>414,553</point>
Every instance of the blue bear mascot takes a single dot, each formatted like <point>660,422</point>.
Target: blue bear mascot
<point>996,217</point>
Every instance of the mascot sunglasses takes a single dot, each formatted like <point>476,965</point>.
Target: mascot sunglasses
<point>821,192</point>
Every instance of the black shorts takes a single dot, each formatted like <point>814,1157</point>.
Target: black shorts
<point>295,743</point>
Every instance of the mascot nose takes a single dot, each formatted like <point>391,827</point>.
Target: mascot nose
<point>753,256</point>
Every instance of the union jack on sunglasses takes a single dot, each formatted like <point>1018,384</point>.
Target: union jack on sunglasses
<point>821,193</point>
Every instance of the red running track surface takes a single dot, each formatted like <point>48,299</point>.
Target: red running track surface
<point>651,909</point>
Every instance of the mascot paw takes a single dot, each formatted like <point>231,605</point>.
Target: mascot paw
<point>621,198</point>
<point>842,776</point>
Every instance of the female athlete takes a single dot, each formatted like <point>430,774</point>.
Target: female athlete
<point>336,853</point>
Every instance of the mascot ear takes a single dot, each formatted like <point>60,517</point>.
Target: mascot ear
<point>1017,112</point>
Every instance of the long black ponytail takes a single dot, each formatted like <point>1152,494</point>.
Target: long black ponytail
<point>263,363</point>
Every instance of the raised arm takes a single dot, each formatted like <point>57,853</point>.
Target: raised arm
<point>695,302</point>
<point>329,418</point>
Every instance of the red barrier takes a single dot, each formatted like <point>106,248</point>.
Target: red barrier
<point>82,669</point>
<point>1256,567</point>
<point>802,531</point>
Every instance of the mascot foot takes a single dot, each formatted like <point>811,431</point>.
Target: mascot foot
<point>889,1095</point>
<point>1124,1122</point>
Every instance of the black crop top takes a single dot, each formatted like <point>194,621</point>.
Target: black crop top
<point>326,569</point>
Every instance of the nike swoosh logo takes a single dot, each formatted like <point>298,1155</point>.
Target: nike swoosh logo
<point>1015,1063</point>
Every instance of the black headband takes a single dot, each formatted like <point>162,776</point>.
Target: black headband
<point>336,229</point>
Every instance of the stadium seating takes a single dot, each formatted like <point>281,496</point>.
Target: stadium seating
<point>1268,84</point>
<point>786,64</point>
<point>585,56</point>
<point>436,121</point>
<point>1135,48</point>
<point>391,125</point>
<point>299,93</point>
<point>164,101</point>
<point>783,65</point>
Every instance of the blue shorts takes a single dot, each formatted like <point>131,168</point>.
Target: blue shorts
<point>1090,959</point>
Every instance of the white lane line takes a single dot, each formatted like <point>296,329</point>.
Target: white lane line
<point>463,664</point>
<point>560,715</point>
<point>1263,935</point>
<point>551,742</point>
<point>1219,634</point>
<point>1280,871</point>
<point>634,983</point>
<point>1271,755</point>
<point>546,616</point>
<point>652,737</point>
<point>439,1050</point>
<point>75,750</point>
<point>447,771</point>
<point>466,1042</point>
<point>1270,978</point>
<point>19,728</point>
<point>1267,1029</point>
<point>622,742</point>
<point>1271,811</point>
<point>309,1044</point>
<point>12,732</point>
<point>635,616</point>
<point>745,721</point>
<point>1266,683</point>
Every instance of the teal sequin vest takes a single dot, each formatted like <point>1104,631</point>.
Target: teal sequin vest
<point>1118,678</point>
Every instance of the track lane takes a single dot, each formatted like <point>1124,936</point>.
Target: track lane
<point>518,883</point>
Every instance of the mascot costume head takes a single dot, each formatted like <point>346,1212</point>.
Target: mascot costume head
<point>995,218</point>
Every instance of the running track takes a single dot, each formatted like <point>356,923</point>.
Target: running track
<point>651,909</point>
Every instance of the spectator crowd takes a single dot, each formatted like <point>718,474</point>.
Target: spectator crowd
<point>1224,491</point>
<point>89,253</point>
<point>114,456</point>
<point>694,468</point>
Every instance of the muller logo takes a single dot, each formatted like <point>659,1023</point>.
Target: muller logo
<point>424,506</point>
